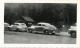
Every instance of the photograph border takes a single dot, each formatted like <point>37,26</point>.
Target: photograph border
<point>38,45</point>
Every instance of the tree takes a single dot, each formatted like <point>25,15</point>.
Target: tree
<point>57,14</point>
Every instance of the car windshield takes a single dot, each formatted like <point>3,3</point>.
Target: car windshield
<point>40,24</point>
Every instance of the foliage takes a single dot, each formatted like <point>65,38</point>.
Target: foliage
<point>57,14</point>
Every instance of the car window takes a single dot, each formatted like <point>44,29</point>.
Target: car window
<point>43,25</point>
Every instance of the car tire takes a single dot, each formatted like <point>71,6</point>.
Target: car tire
<point>53,33</point>
<point>8,29</point>
<point>46,32</point>
<point>17,30</point>
<point>73,34</point>
<point>29,30</point>
<point>25,31</point>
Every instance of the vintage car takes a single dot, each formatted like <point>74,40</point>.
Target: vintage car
<point>72,31</point>
<point>18,27</point>
<point>45,28</point>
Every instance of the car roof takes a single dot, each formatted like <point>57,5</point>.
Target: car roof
<point>44,23</point>
<point>19,23</point>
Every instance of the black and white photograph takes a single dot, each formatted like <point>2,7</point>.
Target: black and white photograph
<point>40,23</point>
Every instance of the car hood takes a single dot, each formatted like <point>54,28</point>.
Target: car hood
<point>32,26</point>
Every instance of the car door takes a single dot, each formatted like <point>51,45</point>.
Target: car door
<point>13,27</point>
<point>40,27</point>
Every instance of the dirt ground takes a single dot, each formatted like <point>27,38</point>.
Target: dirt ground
<point>11,37</point>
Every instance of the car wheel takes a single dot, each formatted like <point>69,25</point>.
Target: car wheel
<point>17,30</point>
<point>8,29</point>
<point>53,33</point>
<point>25,31</point>
<point>73,34</point>
<point>29,30</point>
<point>46,32</point>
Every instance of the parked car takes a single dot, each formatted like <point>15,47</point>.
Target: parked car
<point>72,31</point>
<point>45,28</point>
<point>6,26</point>
<point>18,27</point>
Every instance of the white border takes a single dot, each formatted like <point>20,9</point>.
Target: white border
<point>40,1</point>
<point>37,45</point>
